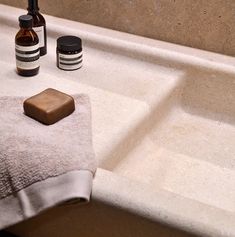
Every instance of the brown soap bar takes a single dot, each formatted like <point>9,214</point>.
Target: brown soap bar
<point>49,106</point>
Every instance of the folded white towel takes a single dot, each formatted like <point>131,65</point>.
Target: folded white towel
<point>43,166</point>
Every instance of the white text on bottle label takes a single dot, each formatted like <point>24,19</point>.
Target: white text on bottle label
<point>70,62</point>
<point>27,57</point>
<point>40,32</point>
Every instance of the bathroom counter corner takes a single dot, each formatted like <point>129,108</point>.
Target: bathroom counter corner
<point>147,127</point>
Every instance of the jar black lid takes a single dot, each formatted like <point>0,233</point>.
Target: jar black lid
<point>69,43</point>
<point>26,21</point>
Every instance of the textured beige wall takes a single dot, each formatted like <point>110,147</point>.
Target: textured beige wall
<point>204,24</point>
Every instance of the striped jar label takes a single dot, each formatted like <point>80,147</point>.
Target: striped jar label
<point>27,57</point>
<point>70,61</point>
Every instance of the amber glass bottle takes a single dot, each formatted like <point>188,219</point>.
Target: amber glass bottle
<point>39,25</point>
<point>27,48</point>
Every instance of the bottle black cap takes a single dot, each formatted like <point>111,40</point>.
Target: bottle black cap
<point>26,21</point>
<point>69,43</point>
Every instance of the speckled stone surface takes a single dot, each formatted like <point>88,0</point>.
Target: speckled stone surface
<point>163,132</point>
<point>203,24</point>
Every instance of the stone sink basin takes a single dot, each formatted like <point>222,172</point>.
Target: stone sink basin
<point>187,144</point>
<point>163,133</point>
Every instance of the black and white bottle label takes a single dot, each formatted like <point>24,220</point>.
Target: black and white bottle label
<point>40,33</point>
<point>27,57</point>
<point>71,61</point>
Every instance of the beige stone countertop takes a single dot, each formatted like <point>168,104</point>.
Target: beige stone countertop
<point>134,84</point>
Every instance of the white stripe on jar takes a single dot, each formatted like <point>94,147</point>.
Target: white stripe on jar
<point>70,55</point>
<point>70,62</point>
<point>70,67</point>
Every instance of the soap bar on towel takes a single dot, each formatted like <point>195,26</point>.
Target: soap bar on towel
<point>43,166</point>
<point>49,106</point>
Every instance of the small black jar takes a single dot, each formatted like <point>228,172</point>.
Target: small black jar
<point>69,53</point>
